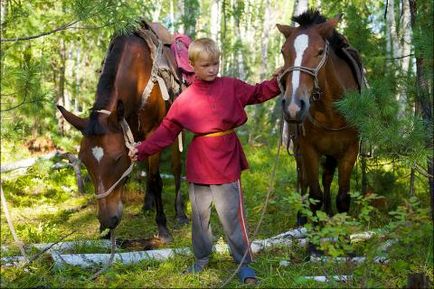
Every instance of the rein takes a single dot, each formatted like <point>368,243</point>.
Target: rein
<point>129,143</point>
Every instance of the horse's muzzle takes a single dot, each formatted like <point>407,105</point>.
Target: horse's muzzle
<point>110,222</point>
<point>294,112</point>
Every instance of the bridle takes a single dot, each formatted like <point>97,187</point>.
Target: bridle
<point>129,143</point>
<point>316,93</point>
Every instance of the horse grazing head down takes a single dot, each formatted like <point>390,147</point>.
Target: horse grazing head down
<point>105,155</point>
<point>305,53</point>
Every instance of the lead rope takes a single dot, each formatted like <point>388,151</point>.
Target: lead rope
<point>130,144</point>
<point>264,209</point>
<point>17,240</point>
<point>112,255</point>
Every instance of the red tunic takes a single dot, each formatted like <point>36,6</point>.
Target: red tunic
<point>207,107</point>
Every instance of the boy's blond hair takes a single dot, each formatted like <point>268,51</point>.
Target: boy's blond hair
<point>203,48</point>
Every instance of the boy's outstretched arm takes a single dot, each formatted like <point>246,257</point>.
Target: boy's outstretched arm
<point>163,136</point>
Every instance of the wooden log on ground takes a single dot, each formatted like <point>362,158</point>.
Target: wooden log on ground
<point>356,260</point>
<point>339,278</point>
<point>75,163</point>
<point>22,164</point>
<point>88,260</point>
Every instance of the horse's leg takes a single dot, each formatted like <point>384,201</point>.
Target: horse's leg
<point>149,195</point>
<point>345,167</point>
<point>329,167</point>
<point>311,164</point>
<point>155,186</point>
<point>302,186</point>
<point>181,218</point>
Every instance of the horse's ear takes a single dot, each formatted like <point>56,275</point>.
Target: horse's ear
<point>77,122</point>
<point>120,110</point>
<point>326,29</point>
<point>285,29</point>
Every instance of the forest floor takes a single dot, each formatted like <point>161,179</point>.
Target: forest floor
<point>46,207</point>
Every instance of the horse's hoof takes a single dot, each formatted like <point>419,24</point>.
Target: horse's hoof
<point>165,238</point>
<point>314,251</point>
<point>181,221</point>
<point>301,220</point>
<point>147,210</point>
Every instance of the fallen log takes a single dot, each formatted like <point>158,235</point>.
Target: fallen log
<point>75,163</point>
<point>340,278</point>
<point>88,260</point>
<point>22,164</point>
<point>356,260</point>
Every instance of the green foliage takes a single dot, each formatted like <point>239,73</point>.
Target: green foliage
<point>375,114</point>
<point>39,73</point>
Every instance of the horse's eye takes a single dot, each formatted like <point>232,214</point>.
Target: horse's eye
<point>320,52</point>
<point>117,158</point>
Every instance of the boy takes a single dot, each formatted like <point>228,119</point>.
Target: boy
<point>211,108</point>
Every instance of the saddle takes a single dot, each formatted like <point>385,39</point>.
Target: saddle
<point>352,57</point>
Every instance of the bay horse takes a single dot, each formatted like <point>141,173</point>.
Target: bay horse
<point>122,106</point>
<point>319,68</point>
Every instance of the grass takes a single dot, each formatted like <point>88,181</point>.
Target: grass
<point>45,207</point>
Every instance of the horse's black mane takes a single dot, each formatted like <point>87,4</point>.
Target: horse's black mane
<point>313,17</point>
<point>309,18</point>
<point>105,88</point>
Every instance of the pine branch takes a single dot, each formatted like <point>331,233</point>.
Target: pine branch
<point>61,28</point>
<point>23,103</point>
<point>399,57</point>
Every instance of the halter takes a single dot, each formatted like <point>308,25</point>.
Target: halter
<point>311,71</point>
<point>129,143</point>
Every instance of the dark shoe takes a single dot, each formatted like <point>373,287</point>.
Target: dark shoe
<point>195,268</point>
<point>247,275</point>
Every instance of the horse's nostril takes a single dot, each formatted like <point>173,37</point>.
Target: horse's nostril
<point>302,104</point>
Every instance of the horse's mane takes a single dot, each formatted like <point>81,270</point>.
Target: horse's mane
<point>337,41</point>
<point>105,88</point>
<point>313,17</point>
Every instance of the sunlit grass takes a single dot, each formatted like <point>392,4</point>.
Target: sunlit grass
<point>46,207</point>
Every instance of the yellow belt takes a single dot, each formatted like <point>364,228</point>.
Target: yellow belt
<point>219,133</point>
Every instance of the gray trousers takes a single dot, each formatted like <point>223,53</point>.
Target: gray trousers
<point>229,204</point>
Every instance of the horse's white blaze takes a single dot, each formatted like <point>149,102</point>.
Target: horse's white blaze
<point>98,153</point>
<point>301,42</point>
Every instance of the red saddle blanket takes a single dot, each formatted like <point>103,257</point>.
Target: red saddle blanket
<point>180,50</point>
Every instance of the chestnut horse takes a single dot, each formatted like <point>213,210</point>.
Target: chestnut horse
<point>128,69</point>
<point>317,72</point>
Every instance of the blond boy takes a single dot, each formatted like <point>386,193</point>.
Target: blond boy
<point>211,108</point>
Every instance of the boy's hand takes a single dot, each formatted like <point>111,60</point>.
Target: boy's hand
<point>278,71</point>
<point>133,153</point>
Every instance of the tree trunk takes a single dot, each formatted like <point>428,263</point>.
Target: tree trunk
<point>238,36</point>
<point>215,20</point>
<point>192,8</point>
<point>300,6</point>
<point>424,102</point>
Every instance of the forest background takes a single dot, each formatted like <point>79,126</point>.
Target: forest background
<point>51,54</point>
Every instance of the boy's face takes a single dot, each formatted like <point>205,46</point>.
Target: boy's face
<point>206,68</point>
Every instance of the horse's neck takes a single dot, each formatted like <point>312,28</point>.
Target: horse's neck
<point>332,90</point>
